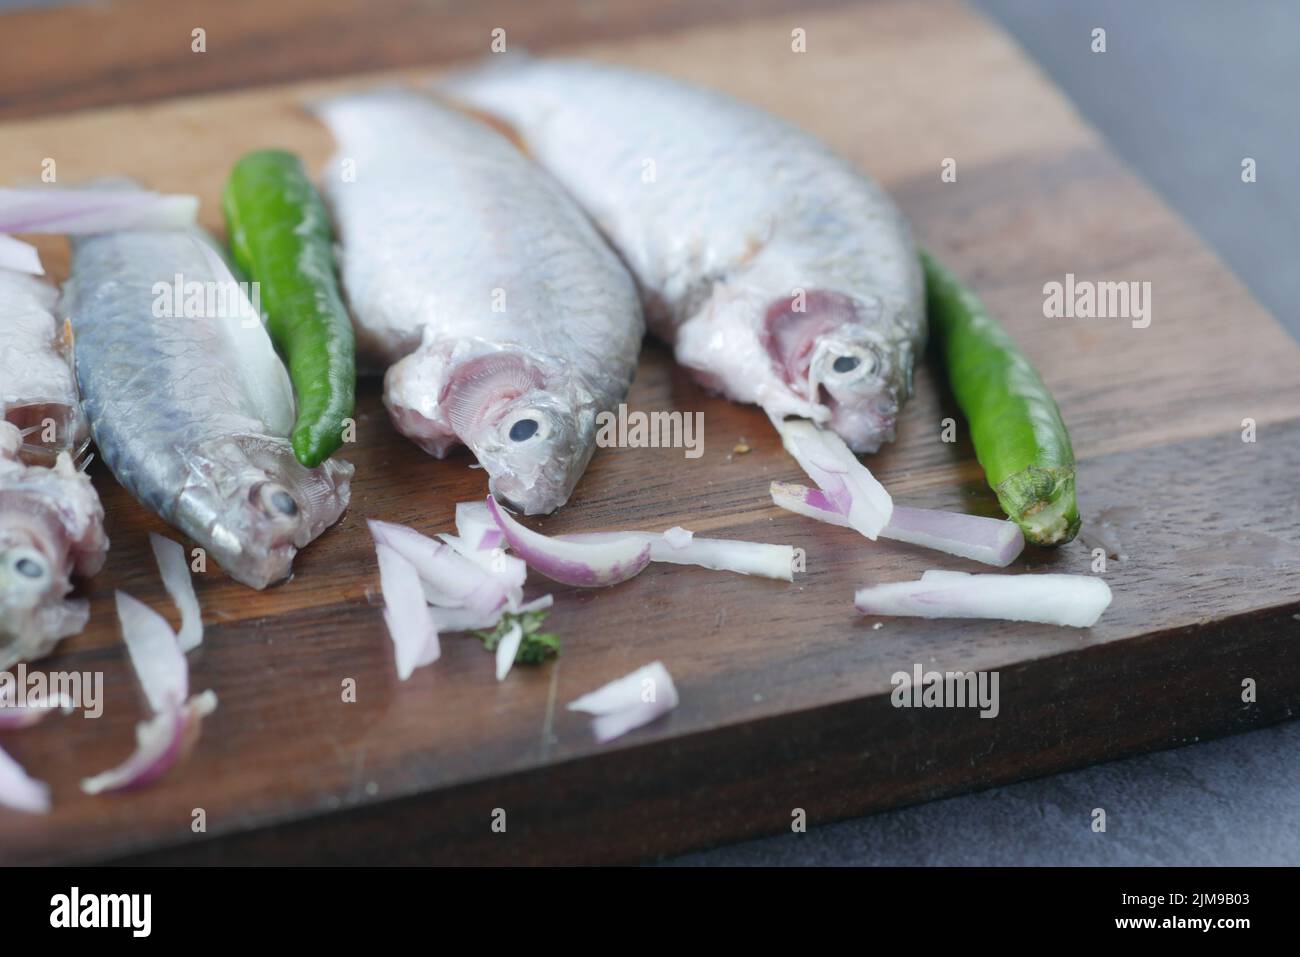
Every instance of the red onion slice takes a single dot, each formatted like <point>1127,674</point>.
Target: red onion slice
<point>20,791</point>
<point>75,211</point>
<point>160,743</point>
<point>456,581</point>
<point>718,554</point>
<point>988,540</point>
<point>155,655</point>
<point>629,702</point>
<point>832,465</point>
<point>587,565</point>
<point>20,256</point>
<point>410,625</point>
<point>1076,601</point>
<point>476,528</point>
<point>174,567</point>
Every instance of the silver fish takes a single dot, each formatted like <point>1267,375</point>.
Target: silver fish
<point>51,528</point>
<point>38,393</point>
<point>191,408</point>
<point>783,275</point>
<point>507,322</point>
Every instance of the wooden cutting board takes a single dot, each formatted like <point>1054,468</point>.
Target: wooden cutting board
<point>784,688</point>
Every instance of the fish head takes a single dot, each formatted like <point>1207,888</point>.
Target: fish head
<point>33,559</point>
<point>838,351</point>
<point>535,450</point>
<point>528,421</point>
<point>250,501</point>
<point>34,578</point>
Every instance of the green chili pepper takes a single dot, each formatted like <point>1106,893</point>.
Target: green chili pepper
<point>1016,428</point>
<point>281,238</point>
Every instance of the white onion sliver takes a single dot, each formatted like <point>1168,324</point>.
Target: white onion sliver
<point>410,625</point>
<point>461,619</point>
<point>20,256</point>
<point>988,540</point>
<point>79,211</point>
<point>507,648</point>
<point>155,655</point>
<point>1073,600</point>
<point>509,571</point>
<point>587,565</point>
<point>718,554</point>
<point>629,702</point>
<point>16,716</point>
<point>537,604</point>
<point>174,567</point>
<point>456,580</point>
<point>20,791</point>
<point>833,466</point>
<point>159,743</point>
<point>677,537</point>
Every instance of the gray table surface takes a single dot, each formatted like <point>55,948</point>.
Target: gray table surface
<point>1185,90</point>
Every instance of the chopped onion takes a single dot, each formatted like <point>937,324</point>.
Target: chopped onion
<point>175,570</point>
<point>809,502</point>
<point>507,648</point>
<point>20,256</point>
<point>988,540</point>
<point>456,581</point>
<point>719,554</point>
<point>159,743</point>
<point>475,526</point>
<point>155,655</point>
<point>833,466</point>
<point>414,634</point>
<point>1073,600</point>
<point>588,565</point>
<point>76,211</point>
<point>629,702</point>
<point>20,791</point>
<point>509,571</point>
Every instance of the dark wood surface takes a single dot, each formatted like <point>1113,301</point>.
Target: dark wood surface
<point>784,688</point>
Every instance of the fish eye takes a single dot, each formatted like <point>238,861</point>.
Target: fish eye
<point>523,430</point>
<point>277,502</point>
<point>29,568</point>
<point>845,363</point>
<point>530,424</point>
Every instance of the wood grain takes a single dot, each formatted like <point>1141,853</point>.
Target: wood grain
<point>120,51</point>
<point>784,688</point>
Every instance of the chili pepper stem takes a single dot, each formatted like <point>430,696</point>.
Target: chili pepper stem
<point>1042,502</point>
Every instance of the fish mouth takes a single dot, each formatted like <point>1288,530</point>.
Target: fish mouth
<point>828,357</point>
